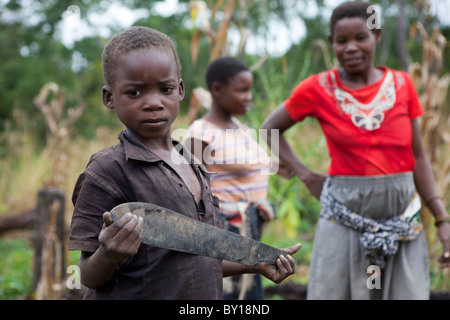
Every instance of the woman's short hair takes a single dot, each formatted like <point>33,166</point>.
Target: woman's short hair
<point>350,9</point>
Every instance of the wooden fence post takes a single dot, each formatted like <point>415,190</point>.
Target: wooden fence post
<point>49,244</point>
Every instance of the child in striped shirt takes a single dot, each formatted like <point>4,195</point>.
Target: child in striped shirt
<point>230,149</point>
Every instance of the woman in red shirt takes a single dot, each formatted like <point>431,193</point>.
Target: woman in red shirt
<point>369,210</point>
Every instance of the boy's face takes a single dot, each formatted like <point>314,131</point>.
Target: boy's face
<point>354,44</point>
<point>146,93</point>
<point>235,96</point>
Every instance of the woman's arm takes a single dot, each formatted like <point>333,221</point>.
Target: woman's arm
<point>423,175</point>
<point>280,120</point>
<point>426,187</point>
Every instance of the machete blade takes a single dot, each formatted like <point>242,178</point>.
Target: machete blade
<point>168,229</point>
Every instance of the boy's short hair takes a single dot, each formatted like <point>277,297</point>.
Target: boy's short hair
<point>350,9</point>
<point>134,38</point>
<point>222,69</point>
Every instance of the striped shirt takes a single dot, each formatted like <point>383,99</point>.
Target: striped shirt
<point>237,159</point>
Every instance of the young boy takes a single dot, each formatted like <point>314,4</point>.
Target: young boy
<point>141,70</point>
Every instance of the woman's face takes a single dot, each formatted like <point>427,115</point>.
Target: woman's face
<point>354,44</point>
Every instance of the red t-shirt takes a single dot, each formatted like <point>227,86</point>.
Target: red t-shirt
<point>368,130</point>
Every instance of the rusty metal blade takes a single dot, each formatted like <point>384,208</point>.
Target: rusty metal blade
<point>168,229</point>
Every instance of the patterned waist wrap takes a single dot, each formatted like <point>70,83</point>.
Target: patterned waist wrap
<point>379,237</point>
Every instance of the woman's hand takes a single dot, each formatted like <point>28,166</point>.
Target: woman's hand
<point>314,182</point>
<point>443,231</point>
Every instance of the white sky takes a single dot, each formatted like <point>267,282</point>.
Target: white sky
<point>278,40</point>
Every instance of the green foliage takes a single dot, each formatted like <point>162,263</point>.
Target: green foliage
<point>16,276</point>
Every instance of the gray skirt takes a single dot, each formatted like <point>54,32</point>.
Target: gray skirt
<point>338,267</point>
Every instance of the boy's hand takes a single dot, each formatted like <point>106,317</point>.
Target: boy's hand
<point>285,266</point>
<point>121,238</point>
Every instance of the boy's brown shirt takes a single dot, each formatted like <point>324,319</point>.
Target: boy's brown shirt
<point>130,172</point>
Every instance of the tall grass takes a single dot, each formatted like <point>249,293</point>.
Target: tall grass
<point>433,88</point>
<point>26,168</point>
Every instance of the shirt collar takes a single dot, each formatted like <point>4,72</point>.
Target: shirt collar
<point>135,150</point>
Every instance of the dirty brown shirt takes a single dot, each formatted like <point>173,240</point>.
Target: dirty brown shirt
<point>130,172</point>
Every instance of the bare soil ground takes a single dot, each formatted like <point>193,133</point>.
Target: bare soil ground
<point>292,291</point>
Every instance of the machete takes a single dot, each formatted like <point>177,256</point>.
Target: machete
<point>168,229</point>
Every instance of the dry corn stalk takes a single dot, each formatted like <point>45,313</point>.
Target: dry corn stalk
<point>322,46</point>
<point>433,90</point>
<point>217,38</point>
<point>59,128</point>
<point>200,97</point>
<point>432,87</point>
